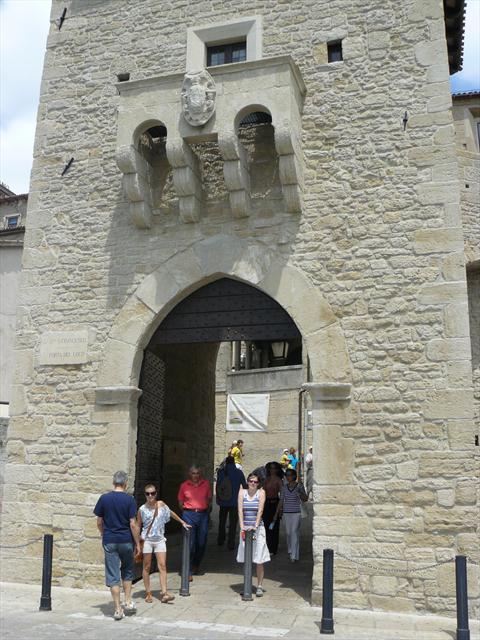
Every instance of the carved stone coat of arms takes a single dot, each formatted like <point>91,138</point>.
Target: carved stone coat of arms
<point>198,97</point>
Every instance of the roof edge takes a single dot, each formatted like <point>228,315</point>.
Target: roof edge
<point>454,16</point>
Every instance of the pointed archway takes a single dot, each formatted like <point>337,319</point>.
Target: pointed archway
<point>176,410</point>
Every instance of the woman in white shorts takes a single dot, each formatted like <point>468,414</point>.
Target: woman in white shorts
<point>151,518</point>
<point>251,502</point>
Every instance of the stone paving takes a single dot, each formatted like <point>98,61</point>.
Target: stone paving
<point>213,611</point>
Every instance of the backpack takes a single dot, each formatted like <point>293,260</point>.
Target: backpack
<point>224,488</point>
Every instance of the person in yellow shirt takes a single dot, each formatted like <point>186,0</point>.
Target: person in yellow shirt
<point>234,444</point>
<point>284,460</point>
<point>237,454</point>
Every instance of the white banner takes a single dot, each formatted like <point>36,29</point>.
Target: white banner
<point>247,411</point>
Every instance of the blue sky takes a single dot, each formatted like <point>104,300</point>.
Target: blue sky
<point>24,25</point>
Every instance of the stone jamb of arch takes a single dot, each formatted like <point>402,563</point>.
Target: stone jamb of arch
<point>205,261</point>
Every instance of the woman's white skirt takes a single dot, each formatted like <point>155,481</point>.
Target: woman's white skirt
<point>260,549</point>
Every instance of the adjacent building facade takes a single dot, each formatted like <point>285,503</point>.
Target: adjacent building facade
<point>13,210</point>
<point>253,172</point>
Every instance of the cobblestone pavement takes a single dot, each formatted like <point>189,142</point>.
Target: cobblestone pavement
<point>213,611</point>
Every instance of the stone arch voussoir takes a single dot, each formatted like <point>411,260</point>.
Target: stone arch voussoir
<point>209,259</point>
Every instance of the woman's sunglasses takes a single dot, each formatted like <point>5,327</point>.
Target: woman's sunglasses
<point>150,493</point>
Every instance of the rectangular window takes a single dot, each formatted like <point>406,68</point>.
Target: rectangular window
<point>226,53</point>
<point>334,50</point>
<point>12,222</point>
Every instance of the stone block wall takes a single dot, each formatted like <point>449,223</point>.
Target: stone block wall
<point>11,245</point>
<point>466,113</point>
<point>379,241</point>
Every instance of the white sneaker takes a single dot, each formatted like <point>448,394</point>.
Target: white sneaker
<point>259,593</point>
<point>130,608</point>
<point>118,615</point>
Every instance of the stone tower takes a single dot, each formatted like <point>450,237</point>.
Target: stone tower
<point>314,161</point>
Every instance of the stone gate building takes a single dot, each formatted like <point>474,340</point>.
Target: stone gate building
<point>232,171</point>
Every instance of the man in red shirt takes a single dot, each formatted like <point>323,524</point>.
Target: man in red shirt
<point>194,498</point>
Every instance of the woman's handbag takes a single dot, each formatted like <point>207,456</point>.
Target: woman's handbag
<point>138,557</point>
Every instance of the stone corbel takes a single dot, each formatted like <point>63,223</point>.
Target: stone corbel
<point>117,395</point>
<point>135,185</point>
<point>186,179</point>
<point>236,174</point>
<point>290,167</point>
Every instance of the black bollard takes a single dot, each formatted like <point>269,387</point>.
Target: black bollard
<point>247,566</point>
<point>463,632</point>
<point>46,598</point>
<point>185,584</point>
<point>326,625</point>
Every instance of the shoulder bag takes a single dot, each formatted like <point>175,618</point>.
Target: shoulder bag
<point>138,557</point>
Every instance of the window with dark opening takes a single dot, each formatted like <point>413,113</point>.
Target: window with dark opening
<point>226,53</point>
<point>334,50</point>
<point>12,222</point>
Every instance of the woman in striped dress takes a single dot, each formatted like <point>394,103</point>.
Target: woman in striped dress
<point>251,502</point>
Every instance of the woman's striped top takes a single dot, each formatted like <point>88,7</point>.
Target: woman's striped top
<point>291,499</point>
<point>250,509</point>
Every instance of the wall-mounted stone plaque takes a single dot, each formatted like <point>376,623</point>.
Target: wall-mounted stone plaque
<point>64,347</point>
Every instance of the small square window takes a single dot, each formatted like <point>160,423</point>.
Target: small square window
<point>334,51</point>
<point>226,53</point>
<point>12,222</point>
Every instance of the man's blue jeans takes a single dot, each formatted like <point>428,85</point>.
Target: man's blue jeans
<point>198,535</point>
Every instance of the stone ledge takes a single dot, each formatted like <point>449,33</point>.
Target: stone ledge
<point>263,380</point>
<point>117,395</point>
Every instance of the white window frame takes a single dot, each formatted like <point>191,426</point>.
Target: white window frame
<point>231,31</point>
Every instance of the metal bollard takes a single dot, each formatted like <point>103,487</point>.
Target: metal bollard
<point>46,598</point>
<point>326,625</point>
<point>463,632</point>
<point>247,566</point>
<point>185,584</point>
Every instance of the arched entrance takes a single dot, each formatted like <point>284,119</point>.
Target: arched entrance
<point>208,259</point>
<point>186,378</point>
<point>177,408</point>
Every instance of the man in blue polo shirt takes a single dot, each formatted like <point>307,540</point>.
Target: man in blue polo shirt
<point>116,520</point>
